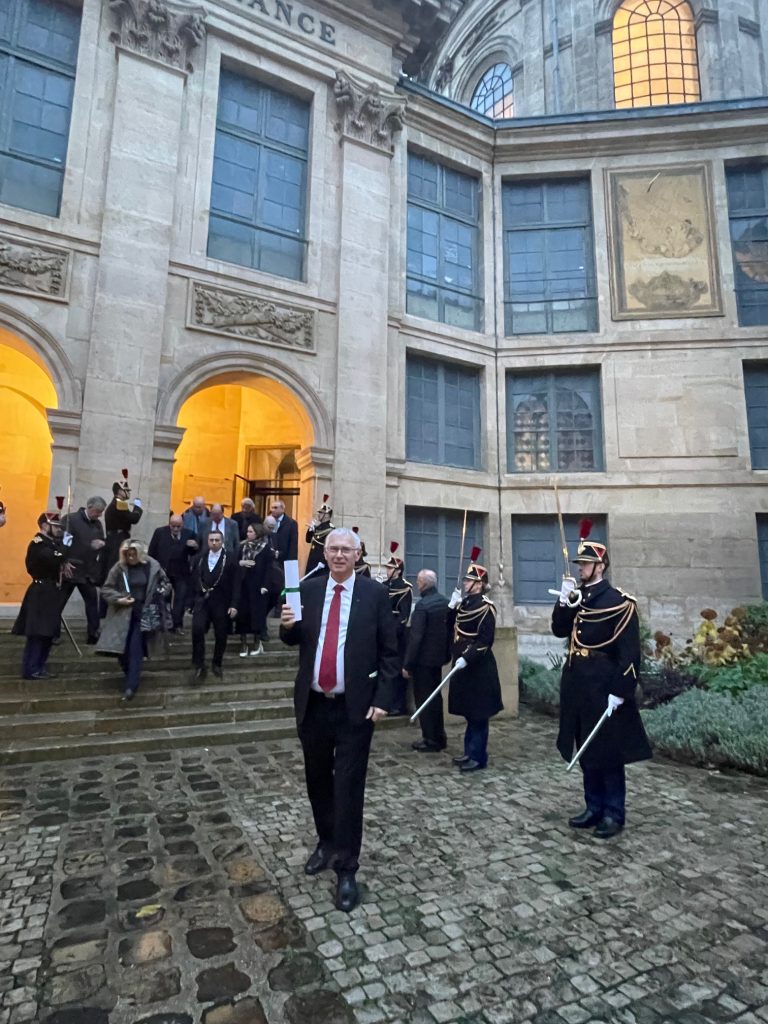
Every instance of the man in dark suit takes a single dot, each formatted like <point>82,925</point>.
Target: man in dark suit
<point>348,663</point>
<point>425,655</point>
<point>285,536</point>
<point>174,547</point>
<point>215,582</point>
<point>219,523</point>
<point>247,516</point>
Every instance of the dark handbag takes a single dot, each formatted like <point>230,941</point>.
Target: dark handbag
<point>151,619</point>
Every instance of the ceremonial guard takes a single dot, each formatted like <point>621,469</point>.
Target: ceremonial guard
<point>40,614</point>
<point>475,691</point>
<point>2,514</point>
<point>317,531</point>
<point>599,679</point>
<point>361,566</point>
<point>119,516</point>
<point>400,594</point>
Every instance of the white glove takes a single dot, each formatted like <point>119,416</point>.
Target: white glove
<point>460,663</point>
<point>566,589</point>
<point>613,703</point>
<point>137,503</point>
<point>67,539</point>
<point>455,600</point>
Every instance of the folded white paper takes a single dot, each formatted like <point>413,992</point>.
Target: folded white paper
<point>292,595</point>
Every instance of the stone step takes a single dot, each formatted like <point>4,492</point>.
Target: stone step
<point>92,674</point>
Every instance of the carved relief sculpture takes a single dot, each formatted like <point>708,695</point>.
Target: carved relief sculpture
<point>663,258</point>
<point>32,268</point>
<point>154,28</point>
<point>364,114</point>
<point>250,316</point>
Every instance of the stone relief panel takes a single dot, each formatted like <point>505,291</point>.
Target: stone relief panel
<point>33,269</point>
<point>239,315</point>
<point>663,258</point>
<point>153,28</point>
<point>365,115</point>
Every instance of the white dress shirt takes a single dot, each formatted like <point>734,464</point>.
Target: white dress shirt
<point>346,605</point>
<point>213,558</point>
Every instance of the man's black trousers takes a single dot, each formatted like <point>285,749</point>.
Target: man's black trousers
<point>335,764</point>
<point>426,678</point>
<point>203,616</point>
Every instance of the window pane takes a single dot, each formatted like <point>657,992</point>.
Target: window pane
<point>442,413</point>
<point>493,95</point>
<point>537,556</point>
<point>30,186</point>
<point>748,209</point>
<point>50,29</point>
<point>762,551</point>
<point>433,541</point>
<point>756,396</point>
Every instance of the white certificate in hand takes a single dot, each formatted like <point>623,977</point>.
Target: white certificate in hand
<point>292,595</point>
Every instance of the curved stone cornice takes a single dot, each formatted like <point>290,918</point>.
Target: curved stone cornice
<point>155,28</point>
<point>364,114</point>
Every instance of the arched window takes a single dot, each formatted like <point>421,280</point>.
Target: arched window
<point>654,54</point>
<point>493,95</point>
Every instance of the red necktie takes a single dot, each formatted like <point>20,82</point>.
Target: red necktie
<point>327,675</point>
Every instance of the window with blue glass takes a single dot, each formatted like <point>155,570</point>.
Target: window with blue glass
<point>748,214</point>
<point>433,541</point>
<point>762,551</point>
<point>259,193</point>
<point>549,272</point>
<point>554,422</point>
<point>442,416</point>
<point>756,396</point>
<point>38,58</point>
<point>537,553</point>
<point>443,278</point>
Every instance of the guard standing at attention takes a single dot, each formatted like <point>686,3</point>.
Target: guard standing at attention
<point>400,601</point>
<point>317,531</point>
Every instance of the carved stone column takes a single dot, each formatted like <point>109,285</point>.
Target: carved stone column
<point>315,474</point>
<point>65,428</point>
<point>154,42</point>
<point>368,123</point>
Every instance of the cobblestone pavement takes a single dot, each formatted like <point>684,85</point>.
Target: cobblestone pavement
<point>167,889</point>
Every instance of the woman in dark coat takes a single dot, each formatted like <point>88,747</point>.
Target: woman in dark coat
<point>135,583</point>
<point>475,691</point>
<point>256,562</point>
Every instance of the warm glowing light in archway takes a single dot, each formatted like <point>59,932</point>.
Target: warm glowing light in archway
<point>655,61</point>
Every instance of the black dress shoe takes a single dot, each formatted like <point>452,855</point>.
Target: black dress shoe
<point>425,748</point>
<point>44,673</point>
<point>459,761</point>
<point>347,893</point>
<point>216,669</point>
<point>587,819</point>
<point>607,828</point>
<point>199,676</point>
<point>127,696</point>
<point>319,861</point>
<point>93,639</point>
<point>471,766</point>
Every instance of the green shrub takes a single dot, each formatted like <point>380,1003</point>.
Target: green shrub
<point>739,677</point>
<point>661,682</point>
<point>713,728</point>
<point>539,685</point>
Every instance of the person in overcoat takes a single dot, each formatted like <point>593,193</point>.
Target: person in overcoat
<point>134,582</point>
<point>600,675</point>
<point>317,531</point>
<point>425,654</point>
<point>39,617</point>
<point>84,538</point>
<point>347,665</point>
<point>475,691</point>
<point>400,593</point>
<point>215,586</point>
<point>256,565</point>
<point>119,516</point>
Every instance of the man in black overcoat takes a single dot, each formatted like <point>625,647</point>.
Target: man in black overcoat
<point>400,593</point>
<point>84,538</point>
<point>600,673</point>
<point>40,613</point>
<point>285,536</point>
<point>215,582</point>
<point>175,548</point>
<point>347,665</point>
<point>247,516</point>
<point>475,691</point>
<point>425,654</point>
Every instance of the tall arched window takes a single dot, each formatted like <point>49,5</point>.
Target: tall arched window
<point>493,95</point>
<point>654,54</point>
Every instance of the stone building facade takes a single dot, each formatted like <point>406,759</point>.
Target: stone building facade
<point>221,277</point>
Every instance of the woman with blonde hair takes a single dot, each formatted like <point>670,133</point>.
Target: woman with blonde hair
<point>135,591</point>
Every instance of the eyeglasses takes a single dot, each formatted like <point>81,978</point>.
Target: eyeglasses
<point>341,551</point>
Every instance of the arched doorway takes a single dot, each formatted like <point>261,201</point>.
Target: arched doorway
<point>242,435</point>
<point>26,391</point>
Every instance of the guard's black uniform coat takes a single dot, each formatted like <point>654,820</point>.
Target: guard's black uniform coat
<point>400,594</point>
<point>40,611</point>
<point>316,540</point>
<point>118,520</point>
<point>475,692</point>
<point>603,658</point>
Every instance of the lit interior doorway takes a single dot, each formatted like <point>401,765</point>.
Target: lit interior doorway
<point>26,391</point>
<point>242,435</point>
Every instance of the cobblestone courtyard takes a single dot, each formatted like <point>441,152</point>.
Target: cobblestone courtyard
<point>167,889</point>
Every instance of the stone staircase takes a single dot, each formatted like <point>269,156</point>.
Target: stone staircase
<point>78,714</point>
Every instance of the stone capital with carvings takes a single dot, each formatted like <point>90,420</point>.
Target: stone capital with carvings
<point>365,114</point>
<point>167,32</point>
<point>33,268</point>
<point>253,317</point>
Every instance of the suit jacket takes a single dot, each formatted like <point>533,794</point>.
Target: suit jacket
<point>220,589</point>
<point>285,540</point>
<point>86,561</point>
<point>173,555</point>
<point>245,519</point>
<point>371,663</point>
<point>195,523</point>
<point>428,638</point>
<point>230,531</point>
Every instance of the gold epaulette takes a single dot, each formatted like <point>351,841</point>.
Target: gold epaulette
<point>623,593</point>
<point>37,540</point>
<point>490,603</point>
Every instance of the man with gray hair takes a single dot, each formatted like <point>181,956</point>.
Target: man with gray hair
<point>348,663</point>
<point>84,537</point>
<point>425,655</point>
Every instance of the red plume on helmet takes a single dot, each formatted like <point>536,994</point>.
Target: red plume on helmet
<point>125,473</point>
<point>59,502</point>
<point>585,528</point>
<point>393,546</point>
<point>474,554</point>
<point>355,529</point>
<point>394,562</point>
<point>325,498</point>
